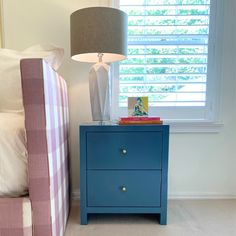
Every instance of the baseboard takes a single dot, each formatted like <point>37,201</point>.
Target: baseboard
<point>181,196</point>
<point>199,196</point>
<point>76,195</point>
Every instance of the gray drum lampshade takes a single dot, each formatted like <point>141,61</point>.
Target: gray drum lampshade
<point>98,30</point>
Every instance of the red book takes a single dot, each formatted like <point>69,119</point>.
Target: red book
<point>141,122</point>
<point>140,118</point>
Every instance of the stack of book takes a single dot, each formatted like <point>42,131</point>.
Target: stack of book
<point>140,120</point>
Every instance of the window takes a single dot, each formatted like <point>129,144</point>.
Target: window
<point>171,59</point>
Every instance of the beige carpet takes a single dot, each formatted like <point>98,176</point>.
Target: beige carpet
<point>185,218</point>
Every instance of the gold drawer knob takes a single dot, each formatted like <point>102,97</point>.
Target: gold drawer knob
<point>123,189</point>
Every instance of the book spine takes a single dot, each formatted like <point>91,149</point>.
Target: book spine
<point>140,118</point>
<point>140,122</point>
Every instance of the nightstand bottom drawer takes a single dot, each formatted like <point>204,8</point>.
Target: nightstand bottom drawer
<point>131,188</point>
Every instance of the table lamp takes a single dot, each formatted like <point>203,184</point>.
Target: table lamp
<point>99,35</point>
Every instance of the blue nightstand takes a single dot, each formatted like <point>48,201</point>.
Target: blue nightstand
<point>123,169</point>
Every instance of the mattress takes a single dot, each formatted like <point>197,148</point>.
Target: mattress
<point>13,155</point>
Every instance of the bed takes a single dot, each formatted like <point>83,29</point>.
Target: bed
<point>44,210</point>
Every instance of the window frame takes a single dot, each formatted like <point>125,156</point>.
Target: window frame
<point>209,120</point>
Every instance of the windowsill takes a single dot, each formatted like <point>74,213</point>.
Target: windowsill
<point>194,126</point>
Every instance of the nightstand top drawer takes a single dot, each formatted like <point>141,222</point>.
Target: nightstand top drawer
<point>124,150</point>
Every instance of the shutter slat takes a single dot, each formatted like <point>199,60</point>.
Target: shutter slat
<point>165,5</point>
<point>151,83</point>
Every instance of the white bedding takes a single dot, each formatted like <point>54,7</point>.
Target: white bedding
<point>13,155</point>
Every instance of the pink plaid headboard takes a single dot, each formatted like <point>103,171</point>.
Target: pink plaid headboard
<point>46,119</point>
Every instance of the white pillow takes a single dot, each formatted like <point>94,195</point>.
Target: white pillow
<point>10,78</point>
<point>13,156</point>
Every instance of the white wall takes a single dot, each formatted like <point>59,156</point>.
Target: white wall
<point>200,164</point>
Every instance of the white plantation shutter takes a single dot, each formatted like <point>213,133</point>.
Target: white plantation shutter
<point>168,57</point>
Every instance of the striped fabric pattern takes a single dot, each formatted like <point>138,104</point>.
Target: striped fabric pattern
<point>47,123</point>
<point>15,217</point>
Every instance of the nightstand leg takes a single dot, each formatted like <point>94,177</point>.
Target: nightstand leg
<point>83,218</point>
<point>163,219</point>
